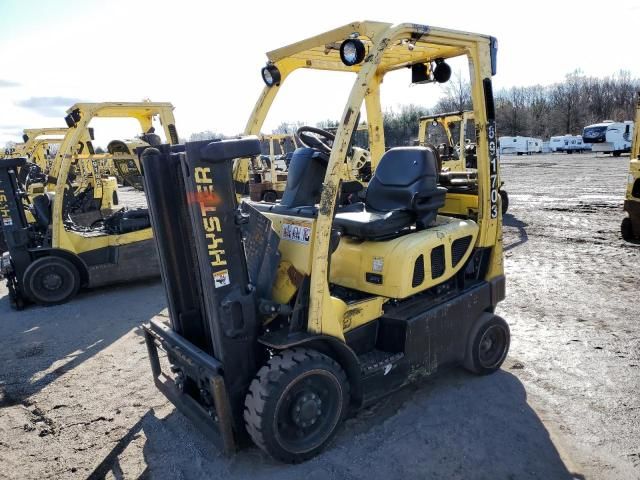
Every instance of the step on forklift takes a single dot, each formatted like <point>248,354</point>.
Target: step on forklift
<point>285,317</point>
<point>630,227</point>
<point>50,259</point>
<point>459,160</point>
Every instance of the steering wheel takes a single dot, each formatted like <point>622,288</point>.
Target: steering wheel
<point>317,138</point>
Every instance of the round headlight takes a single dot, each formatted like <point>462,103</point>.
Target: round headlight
<point>271,75</point>
<point>352,52</point>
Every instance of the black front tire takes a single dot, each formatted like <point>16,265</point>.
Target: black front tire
<point>488,344</point>
<point>617,153</point>
<point>269,196</point>
<point>114,198</point>
<point>51,281</point>
<point>295,404</point>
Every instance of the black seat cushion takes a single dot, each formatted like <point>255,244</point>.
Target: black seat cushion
<point>404,190</point>
<point>356,221</point>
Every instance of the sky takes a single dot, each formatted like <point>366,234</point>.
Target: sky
<point>205,57</point>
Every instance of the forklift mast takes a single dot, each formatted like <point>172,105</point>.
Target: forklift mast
<point>14,221</point>
<point>211,275</point>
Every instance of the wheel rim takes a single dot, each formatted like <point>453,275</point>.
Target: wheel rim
<point>52,283</point>
<point>308,411</point>
<point>491,349</point>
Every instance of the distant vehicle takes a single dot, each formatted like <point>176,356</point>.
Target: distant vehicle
<point>568,144</point>
<point>520,145</point>
<point>609,137</point>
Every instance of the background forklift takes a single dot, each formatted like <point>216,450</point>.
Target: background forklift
<point>49,260</point>
<point>284,316</point>
<point>91,189</point>
<point>630,227</point>
<point>84,197</point>
<point>458,156</point>
<point>269,171</point>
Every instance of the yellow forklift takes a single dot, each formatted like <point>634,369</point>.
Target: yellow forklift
<point>50,259</point>
<point>38,143</point>
<point>459,162</point>
<point>90,186</point>
<point>630,227</point>
<point>284,317</point>
<point>90,190</point>
<point>269,171</point>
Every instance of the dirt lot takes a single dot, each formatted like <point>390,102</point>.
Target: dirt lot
<point>77,400</point>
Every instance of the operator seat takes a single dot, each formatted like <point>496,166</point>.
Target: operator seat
<point>304,179</point>
<point>42,208</point>
<point>403,191</point>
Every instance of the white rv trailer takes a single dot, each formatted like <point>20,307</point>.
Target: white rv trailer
<point>520,145</point>
<point>609,137</point>
<point>568,144</point>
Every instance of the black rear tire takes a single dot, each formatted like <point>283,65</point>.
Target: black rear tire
<point>488,344</point>
<point>51,281</point>
<point>617,153</point>
<point>114,198</point>
<point>505,201</point>
<point>295,404</point>
<point>626,229</point>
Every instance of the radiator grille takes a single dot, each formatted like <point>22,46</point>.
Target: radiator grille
<point>459,248</point>
<point>437,261</point>
<point>418,272</point>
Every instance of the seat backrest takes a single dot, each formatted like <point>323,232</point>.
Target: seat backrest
<point>304,178</point>
<point>403,174</point>
<point>152,139</point>
<point>42,210</point>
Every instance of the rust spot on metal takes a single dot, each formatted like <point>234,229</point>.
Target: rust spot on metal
<point>348,316</point>
<point>326,199</point>
<point>295,276</point>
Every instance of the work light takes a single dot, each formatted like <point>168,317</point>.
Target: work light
<point>352,52</point>
<point>271,75</point>
<point>442,71</point>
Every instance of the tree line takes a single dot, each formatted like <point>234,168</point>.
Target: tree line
<point>535,111</point>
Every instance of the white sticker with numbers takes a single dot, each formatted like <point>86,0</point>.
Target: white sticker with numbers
<point>296,233</point>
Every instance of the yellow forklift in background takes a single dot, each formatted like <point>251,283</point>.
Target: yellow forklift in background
<point>283,317</point>
<point>269,171</point>
<point>38,143</point>
<point>630,227</point>
<point>49,260</point>
<point>458,156</point>
<point>91,192</point>
<point>91,189</point>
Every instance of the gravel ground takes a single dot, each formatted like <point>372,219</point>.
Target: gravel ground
<point>77,400</point>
